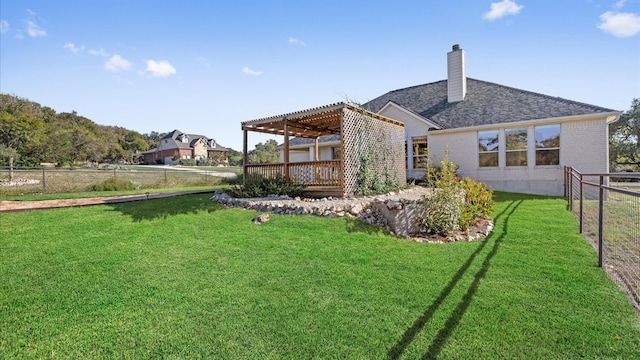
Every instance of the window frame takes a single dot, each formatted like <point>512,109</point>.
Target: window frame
<point>494,152</point>
<point>419,158</point>
<point>540,147</point>
<point>521,148</point>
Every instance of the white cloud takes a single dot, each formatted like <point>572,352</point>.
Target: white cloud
<point>4,27</point>
<point>248,71</point>
<point>295,41</point>
<point>99,52</point>
<point>160,68</point>
<point>620,24</point>
<point>619,4</point>
<point>34,30</point>
<point>73,48</point>
<point>203,60</point>
<point>501,9</point>
<point>117,63</point>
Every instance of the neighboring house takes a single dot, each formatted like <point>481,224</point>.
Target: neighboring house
<point>176,146</point>
<point>511,139</point>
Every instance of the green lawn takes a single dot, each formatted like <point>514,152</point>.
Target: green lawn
<point>185,278</point>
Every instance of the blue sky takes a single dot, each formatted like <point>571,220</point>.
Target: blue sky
<point>204,67</point>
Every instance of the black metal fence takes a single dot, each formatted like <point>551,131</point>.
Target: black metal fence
<point>64,180</point>
<point>607,207</point>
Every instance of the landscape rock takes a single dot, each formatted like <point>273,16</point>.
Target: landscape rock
<point>394,211</point>
<point>261,219</point>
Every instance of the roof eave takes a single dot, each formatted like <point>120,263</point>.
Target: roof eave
<point>608,117</point>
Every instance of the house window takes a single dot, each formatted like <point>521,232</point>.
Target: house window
<point>488,148</point>
<point>336,153</point>
<point>547,145</point>
<point>420,158</point>
<point>516,146</point>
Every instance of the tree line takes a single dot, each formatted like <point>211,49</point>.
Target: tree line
<point>32,134</point>
<point>37,134</point>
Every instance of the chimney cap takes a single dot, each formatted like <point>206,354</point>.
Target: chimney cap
<point>456,47</point>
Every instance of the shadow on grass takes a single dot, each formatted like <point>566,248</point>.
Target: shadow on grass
<point>356,225</point>
<point>166,207</point>
<point>441,338</point>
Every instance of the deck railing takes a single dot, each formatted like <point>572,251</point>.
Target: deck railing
<point>308,173</point>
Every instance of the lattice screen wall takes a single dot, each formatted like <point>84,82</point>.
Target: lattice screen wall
<point>381,141</point>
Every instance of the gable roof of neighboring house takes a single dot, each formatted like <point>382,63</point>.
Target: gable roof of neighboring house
<point>485,103</point>
<point>173,138</point>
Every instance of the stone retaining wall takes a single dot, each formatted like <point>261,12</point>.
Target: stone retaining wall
<point>395,211</point>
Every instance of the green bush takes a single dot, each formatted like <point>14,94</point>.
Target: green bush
<point>442,176</point>
<point>441,211</point>
<point>115,184</point>
<point>262,187</point>
<point>456,204</point>
<point>478,200</point>
<point>187,162</point>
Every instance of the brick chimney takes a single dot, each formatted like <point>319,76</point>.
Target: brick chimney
<point>456,75</point>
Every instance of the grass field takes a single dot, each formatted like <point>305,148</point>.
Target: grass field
<point>78,180</point>
<point>185,278</point>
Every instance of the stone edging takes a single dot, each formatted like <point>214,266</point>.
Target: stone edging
<point>394,211</point>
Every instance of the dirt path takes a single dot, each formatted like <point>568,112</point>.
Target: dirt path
<point>9,206</point>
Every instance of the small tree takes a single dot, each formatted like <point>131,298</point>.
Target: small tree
<point>624,140</point>
<point>10,154</point>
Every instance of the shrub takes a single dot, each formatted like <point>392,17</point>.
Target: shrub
<point>187,162</point>
<point>478,200</point>
<point>441,211</point>
<point>115,184</point>
<point>203,162</point>
<point>456,204</point>
<point>442,176</point>
<point>262,187</point>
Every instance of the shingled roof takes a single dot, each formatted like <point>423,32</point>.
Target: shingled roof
<point>485,104</point>
<point>174,135</point>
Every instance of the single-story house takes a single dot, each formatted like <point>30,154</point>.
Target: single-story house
<point>176,146</point>
<point>511,139</point>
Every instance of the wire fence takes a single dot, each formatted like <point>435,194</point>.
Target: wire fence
<point>607,207</point>
<point>28,180</point>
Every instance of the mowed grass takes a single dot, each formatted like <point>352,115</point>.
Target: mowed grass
<point>185,278</point>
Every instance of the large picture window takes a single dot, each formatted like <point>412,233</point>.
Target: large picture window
<point>547,145</point>
<point>419,152</point>
<point>488,148</point>
<point>516,146</point>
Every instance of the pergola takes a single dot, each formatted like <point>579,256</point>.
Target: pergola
<point>363,135</point>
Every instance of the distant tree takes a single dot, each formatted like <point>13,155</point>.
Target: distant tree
<point>266,153</point>
<point>153,138</point>
<point>624,150</point>
<point>235,157</point>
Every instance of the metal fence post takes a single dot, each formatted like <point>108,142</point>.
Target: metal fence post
<point>600,220</point>
<point>114,172</point>
<point>44,179</point>
<point>570,194</point>
<point>581,202</point>
<point>165,176</point>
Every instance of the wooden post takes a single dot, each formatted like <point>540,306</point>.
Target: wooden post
<point>316,146</point>
<point>286,149</point>
<point>244,156</point>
